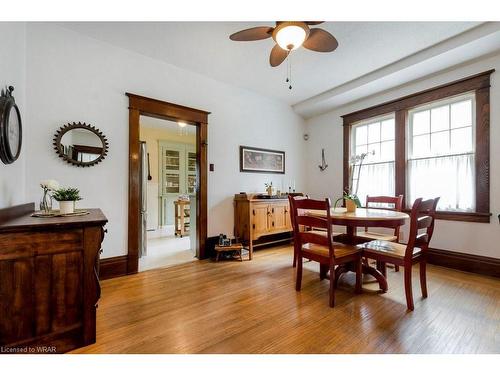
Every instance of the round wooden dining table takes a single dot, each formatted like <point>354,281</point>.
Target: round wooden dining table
<point>362,217</point>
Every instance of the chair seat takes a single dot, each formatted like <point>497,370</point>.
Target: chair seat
<point>377,236</point>
<point>393,249</point>
<point>341,250</point>
<point>323,232</point>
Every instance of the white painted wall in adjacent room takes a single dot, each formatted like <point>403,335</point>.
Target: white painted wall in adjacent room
<point>12,73</point>
<point>76,78</point>
<point>325,131</point>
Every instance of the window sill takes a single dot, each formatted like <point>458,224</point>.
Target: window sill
<point>472,217</point>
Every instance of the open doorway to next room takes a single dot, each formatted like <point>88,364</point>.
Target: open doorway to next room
<point>168,192</point>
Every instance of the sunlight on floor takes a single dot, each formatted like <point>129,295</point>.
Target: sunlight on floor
<point>166,251</point>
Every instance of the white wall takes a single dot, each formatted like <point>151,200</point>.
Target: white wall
<point>76,78</point>
<point>325,131</point>
<point>12,73</point>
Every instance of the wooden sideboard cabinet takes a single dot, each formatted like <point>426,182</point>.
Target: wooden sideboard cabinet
<point>255,218</point>
<point>49,284</point>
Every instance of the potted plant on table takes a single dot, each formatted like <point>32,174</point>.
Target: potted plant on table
<point>67,198</point>
<point>349,196</point>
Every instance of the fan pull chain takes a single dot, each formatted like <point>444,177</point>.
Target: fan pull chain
<point>289,69</point>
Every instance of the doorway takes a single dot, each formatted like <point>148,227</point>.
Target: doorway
<point>168,192</point>
<point>167,198</point>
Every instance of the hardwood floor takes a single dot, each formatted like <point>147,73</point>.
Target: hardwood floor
<point>252,307</point>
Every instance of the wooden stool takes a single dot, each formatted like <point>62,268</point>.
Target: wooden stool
<point>237,247</point>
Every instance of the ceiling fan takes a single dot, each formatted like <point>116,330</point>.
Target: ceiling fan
<point>289,36</point>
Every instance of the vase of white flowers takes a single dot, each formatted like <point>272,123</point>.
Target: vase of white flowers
<point>48,186</point>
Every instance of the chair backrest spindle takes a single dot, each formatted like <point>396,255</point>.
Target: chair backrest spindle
<point>301,220</point>
<point>423,214</point>
<point>396,201</point>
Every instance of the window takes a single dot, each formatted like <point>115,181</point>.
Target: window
<point>432,143</point>
<point>441,153</point>
<point>376,138</point>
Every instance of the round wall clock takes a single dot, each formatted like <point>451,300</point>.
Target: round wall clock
<point>11,134</point>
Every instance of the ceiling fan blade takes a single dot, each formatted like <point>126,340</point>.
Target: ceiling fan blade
<point>255,33</point>
<point>311,23</point>
<point>320,40</point>
<point>278,55</point>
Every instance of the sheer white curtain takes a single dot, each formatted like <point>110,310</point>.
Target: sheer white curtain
<point>375,179</point>
<point>449,177</point>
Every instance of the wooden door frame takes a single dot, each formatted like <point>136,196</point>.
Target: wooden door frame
<point>140,105</point>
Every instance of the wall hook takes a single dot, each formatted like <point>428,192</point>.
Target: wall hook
<point>323,165</point>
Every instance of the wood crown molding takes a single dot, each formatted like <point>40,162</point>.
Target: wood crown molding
<point>162,109</point>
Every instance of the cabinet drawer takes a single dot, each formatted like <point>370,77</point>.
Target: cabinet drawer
<point>19,245</point>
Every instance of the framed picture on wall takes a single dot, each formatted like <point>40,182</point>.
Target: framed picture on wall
<point>259,160</point>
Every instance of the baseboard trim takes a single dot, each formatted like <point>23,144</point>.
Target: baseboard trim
<point>112,267</point>
<point>464,262</point>
<point>117,266</point>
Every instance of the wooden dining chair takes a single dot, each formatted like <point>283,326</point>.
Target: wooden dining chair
<point>292,221</point>
<point>311,229</point>
<point>421,228</point>
<point>370,235</point>
<point>316,246</point>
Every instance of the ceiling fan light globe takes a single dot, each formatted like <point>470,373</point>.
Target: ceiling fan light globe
<point>291,37</point>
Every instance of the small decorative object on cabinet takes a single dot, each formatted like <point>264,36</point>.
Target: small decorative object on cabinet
<point>182,213</point>
<point>48,280</point>
<point>270,189</point>
<point>11,132</point>
<point>67,198</point>
<point>46,202</point>
<point>255,218</point>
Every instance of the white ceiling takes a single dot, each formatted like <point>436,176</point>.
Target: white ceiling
<point>205,48</point>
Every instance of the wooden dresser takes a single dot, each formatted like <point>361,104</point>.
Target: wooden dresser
<point>255,218</point>
<point>49,284</point>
